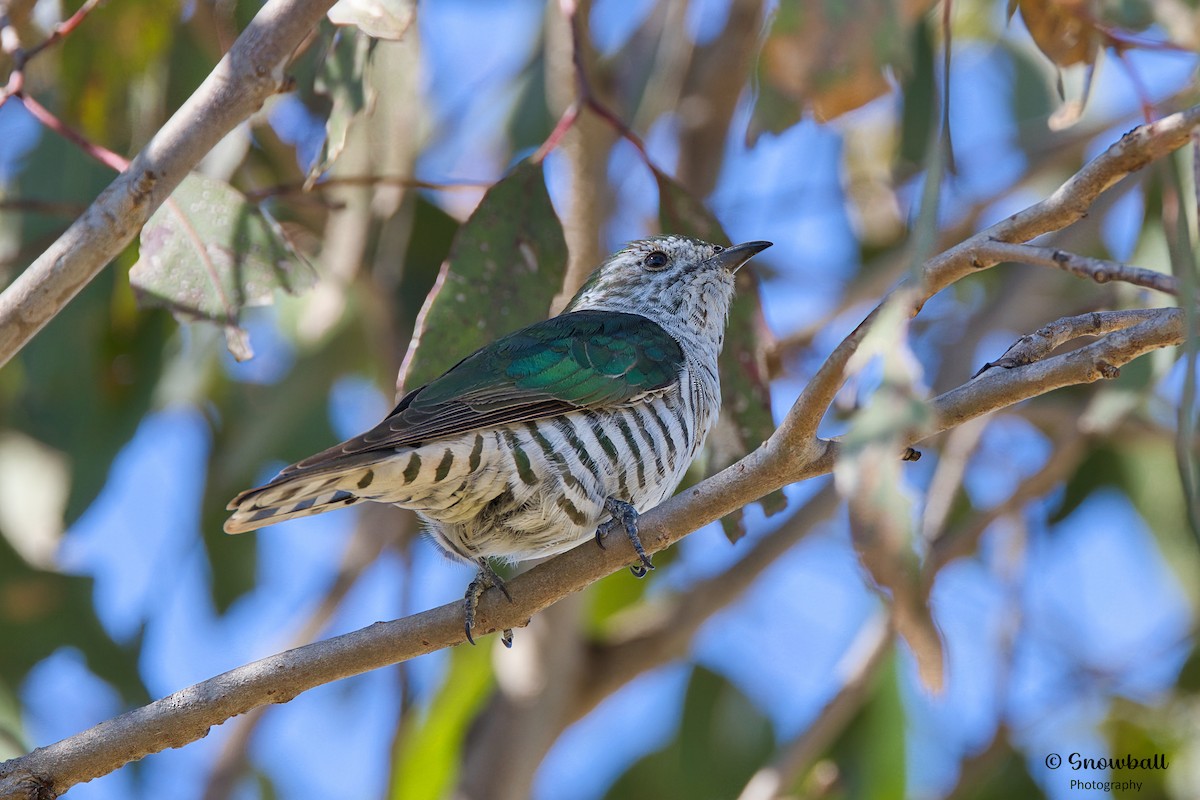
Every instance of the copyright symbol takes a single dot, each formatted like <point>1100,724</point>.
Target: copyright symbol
<point>1054,761</point>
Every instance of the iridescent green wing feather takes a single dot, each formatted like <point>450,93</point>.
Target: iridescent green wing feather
<point>584,359</point>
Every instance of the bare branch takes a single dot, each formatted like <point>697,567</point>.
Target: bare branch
<point>1069,203</point>
<point>1096,269</point>
<point>997,389</point>
<point>1039,344</point>
<point>403,181</point>
<point>248,74</point>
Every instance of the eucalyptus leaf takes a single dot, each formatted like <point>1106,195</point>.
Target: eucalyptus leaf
<point>44,611</point>
<point>869,475</point>
<point>342,78</point>
<point>505,267</point>
<point>869,752</point>
<point>207,253</point>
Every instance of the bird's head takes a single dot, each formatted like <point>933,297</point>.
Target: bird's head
<point>667,278</point>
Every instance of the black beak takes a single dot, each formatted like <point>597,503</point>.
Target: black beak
<point>732,258</point>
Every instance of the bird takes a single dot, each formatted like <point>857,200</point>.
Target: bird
<point>556,433</point>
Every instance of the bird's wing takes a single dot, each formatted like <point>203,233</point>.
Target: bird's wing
<point>583,359</point>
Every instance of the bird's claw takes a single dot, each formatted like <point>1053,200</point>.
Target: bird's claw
<point>626,516</point>
<point>486,577</point>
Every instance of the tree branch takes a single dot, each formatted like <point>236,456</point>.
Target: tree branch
<point>1103,358</point>
<point>1069,203</point>
<point>188,714</point>
<point>1096,269</point>
<point>241,82</point>
<point>1039,344</point>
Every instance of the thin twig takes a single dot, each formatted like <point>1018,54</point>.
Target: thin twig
<point>20,56</point>
<point>62,29</point>
<point>102,154</point>
<point>1099,270</point>
<point>564,124</point>
<point>299,187</point>
<point>1039,344</point>
<point>587,97</point>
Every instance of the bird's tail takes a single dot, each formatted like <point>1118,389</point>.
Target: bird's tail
<point>293,494</point>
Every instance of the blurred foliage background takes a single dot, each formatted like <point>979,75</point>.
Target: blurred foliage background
<point>1052,538</point>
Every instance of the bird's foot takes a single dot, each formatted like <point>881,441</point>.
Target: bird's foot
<point>626,516</point>
<point>485,578</point>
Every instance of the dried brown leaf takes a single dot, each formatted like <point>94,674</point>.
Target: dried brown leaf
<point>1064,30</point>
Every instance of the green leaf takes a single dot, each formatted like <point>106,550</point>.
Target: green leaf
<point>1003,775</point>
<point>614,601</point>
<point>919,117</point>
<point>422,261</point>
<point>1132,731</point>
<point>530,120</point>
<point>342,78</point>
<point>869,754</point>
<point>869,475</point>
<point>1188,681</point>
<point>1031,97</point>
<point>505,267</point>
<point>87,405</point>
<point>258,423</point>
<point>44,611</point>
<point>13,739</point>
<point>723,739</point>
<point>207,253</point>
<point>425,763</point>
<point>746,420</point>
<point>1102,467</point>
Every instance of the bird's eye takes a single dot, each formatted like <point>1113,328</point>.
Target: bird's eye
<point>717,248</point>
<point>656,260</point>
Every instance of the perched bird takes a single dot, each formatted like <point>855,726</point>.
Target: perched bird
<point>555,433</point>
